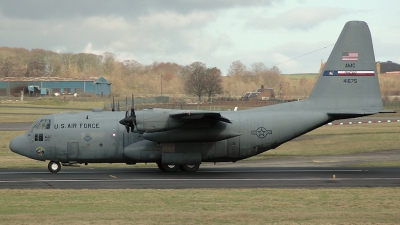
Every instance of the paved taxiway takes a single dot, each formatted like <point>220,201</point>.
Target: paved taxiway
<point>15,126</point>
<point>208,177</point>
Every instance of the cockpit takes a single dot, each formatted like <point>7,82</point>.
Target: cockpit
<point>32,144</point>
<point>41,124</point>
<point>39,127</point>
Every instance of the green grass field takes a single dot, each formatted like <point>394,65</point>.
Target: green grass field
<point>212,206</point>
<point>201,206</point>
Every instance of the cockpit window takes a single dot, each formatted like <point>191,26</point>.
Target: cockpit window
<point>42,124</point>
<point>38,137</point>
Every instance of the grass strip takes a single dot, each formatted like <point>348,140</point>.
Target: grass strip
<point>201,206</point>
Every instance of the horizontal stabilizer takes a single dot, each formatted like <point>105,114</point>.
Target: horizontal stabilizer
<point>387,111</point>
<point>353,114</point>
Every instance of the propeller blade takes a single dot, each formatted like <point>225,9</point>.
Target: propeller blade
<point>131,125</point>
<point>122,122</point>
<point>113,105</point>
<point>133,106</point>
<point>133,114</point>
<point>130,120</point>
<point>126,103</point>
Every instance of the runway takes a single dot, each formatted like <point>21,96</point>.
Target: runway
<point>208,177</point>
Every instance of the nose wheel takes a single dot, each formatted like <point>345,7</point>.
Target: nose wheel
<point>54,167</point>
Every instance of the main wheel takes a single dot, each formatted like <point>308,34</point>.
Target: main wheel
<point>54,167</point>
<point>168,168</point>
<point>160,166</point>
<point>190,168</point>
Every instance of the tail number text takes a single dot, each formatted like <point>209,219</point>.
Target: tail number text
<point>350,81</point>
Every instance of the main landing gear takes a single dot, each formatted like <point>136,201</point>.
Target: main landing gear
<point>189,168</point>
<point>54,167</point>
<point>174,168</point>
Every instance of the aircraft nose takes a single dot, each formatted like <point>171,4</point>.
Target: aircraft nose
<point>20,145</point>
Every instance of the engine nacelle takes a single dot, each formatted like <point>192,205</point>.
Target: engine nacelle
<point>156,120</point>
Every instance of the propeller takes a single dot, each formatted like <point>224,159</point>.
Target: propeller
<point>130,120</point>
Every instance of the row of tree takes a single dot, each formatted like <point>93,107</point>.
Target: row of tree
<point>131,76</point>
<point>20,62</point>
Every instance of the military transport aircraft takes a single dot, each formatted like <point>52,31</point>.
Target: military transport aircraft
<point>181,139</point>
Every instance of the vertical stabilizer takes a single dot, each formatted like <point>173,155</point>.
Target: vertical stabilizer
<point>349,81</point>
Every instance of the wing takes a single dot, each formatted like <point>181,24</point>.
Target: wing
<point>201,128</point>
<point>198,115</point>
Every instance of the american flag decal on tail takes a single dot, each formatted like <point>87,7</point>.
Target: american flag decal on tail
<point>350,56</point>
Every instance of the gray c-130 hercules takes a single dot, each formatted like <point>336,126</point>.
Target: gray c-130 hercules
<point>348,87</point>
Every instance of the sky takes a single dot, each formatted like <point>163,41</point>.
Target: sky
<point>294,35</point>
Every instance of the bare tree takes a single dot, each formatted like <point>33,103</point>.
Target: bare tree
<point>213,83</point>
<point>195,79</point>
<point>108,62</point>
<point>201,80</point>
<point>237,68</point>
<point>132,67</point>
<point>66,61</point>
<point>36,66</point>
<point>258,68</point>
<point>8,66</point>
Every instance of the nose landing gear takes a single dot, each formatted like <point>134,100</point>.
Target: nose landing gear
<point>54,167</point>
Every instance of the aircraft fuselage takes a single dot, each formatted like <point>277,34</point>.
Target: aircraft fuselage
<point>97,137</point>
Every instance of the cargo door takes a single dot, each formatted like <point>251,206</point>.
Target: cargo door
<point>72,151</point>
<point>234,147</point>
<point>49,146</point>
